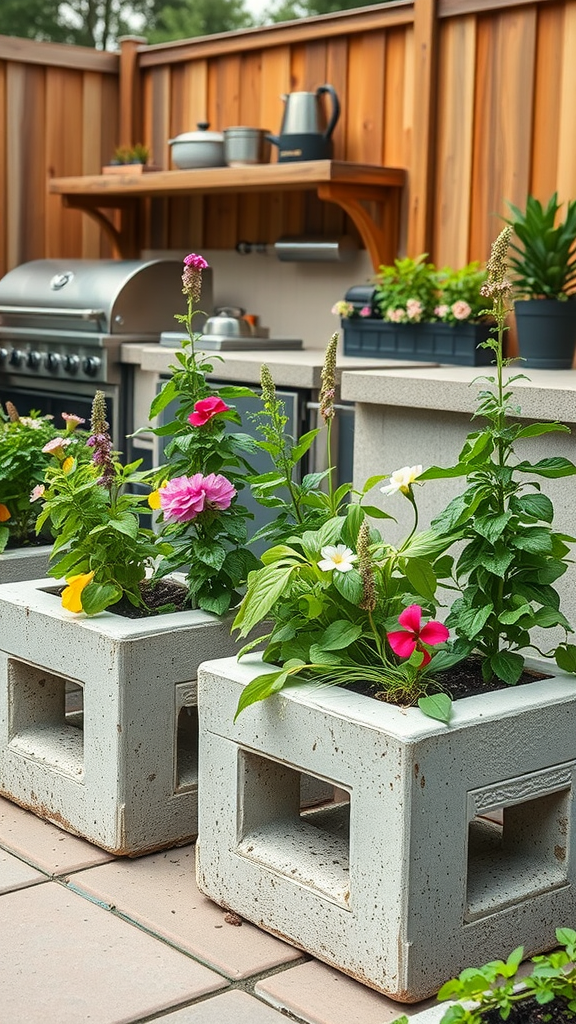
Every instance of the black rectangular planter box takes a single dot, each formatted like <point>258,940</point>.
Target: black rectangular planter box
<point>438,342</point>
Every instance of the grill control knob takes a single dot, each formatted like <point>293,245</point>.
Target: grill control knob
<point>16,357</point>
<point>91,366</point>
<point>3,355</point>
<point>53,362</point>
<point>71,364</point>
<point>33,360</point>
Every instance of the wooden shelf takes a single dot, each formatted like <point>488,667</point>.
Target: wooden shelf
<point>370,195</point>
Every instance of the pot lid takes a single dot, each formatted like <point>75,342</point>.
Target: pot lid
<point>202,135</point>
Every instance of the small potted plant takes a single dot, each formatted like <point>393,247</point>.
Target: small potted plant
<point>418,312</point>
<point>23,552</point>
<point>130,160</point>
<point>544,265</point>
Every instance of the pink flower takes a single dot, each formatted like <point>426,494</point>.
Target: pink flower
<point>396,316</point>
<point>195,261</point>
<point>441,311</point>
<point>412,637</point>
<point>37,492</point>
<point>365,311</point>
<point>186,497</point>
<point>72,421</point>
<point>414,309</point>
<point>56,446</point>
<point>461,310</point>
<point>205,409</point>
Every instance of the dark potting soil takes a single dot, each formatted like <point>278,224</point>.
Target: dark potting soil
<point>158,596</point>
<point>528,1011</point>
<point>462,680</point>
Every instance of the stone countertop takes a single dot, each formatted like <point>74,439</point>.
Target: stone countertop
<point>545,394</point>
<point>289,367</point>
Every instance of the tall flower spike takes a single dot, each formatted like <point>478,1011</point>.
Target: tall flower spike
<point>497,267</point>
<point>192,276</point>
<point>101,441</point>
<point>268,387</point>
<point>12,412</point>
<point>328,378</point>
<point>369,599</point>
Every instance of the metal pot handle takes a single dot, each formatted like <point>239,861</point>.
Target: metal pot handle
<point>335,108</point>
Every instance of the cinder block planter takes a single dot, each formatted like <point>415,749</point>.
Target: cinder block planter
<point>28,563</point>
<point>98,718</point>
<point>455,845</point>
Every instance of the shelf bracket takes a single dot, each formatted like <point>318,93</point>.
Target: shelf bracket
<point>123,239</point>
<point>374,211</point>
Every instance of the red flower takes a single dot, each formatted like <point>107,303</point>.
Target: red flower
<point>412,637</point>
<point>205,409</point>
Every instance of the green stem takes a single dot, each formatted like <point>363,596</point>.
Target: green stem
<point>329,465</point>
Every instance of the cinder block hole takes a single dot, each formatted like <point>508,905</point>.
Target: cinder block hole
<point>516,851</point>
<point>187,748</point>
<point>46,717</point>
<point>308,844</point>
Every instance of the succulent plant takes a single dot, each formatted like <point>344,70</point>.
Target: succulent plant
<point>543,255</point>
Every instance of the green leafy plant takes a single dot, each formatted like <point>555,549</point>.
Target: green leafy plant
<point>459,294</point>
<point>22,470</point>
<point>406,290</point>
<point>196,490</point>
<point>100,548</point>
<point>137,154</point>
<point>512,555</point>
<point>544,251</point>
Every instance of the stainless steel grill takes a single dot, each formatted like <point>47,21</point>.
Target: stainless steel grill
<point>64,320</point>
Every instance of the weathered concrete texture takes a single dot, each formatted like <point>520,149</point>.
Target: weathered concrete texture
<point>19,564</point>
<point>127,779</point>
<point>424,855</point>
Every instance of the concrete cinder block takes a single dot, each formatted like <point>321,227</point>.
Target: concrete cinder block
<point>29,563</point>
<point>455,846</point>
<point>98,717</point>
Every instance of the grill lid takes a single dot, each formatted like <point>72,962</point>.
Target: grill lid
<point>107,296</point>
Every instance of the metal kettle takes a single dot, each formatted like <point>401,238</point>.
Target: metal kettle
<point>304,135</point>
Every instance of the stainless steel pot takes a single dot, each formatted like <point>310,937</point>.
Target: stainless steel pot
<point>198,149</point>
<point>228,323</point>
<point>245,146</point>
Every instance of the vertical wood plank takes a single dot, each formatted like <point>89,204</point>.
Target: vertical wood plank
<point>567,132</point>
<point>3,174</point>
<point>451,206</point>
<point>130,100</point>
<point>365,109</point>
<point>422,157</point>
<point>64,151</point>
<point>547,89</point>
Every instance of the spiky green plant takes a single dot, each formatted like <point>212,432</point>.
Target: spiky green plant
<point>543,257</point>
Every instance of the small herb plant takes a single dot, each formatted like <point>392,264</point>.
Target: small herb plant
<point>22,470</point>
<point>196,491</point>
<point>512,556</point>
<point>137,154</point>
<point>493,987</point>
<point>100,549</point>
<point>543,251</point>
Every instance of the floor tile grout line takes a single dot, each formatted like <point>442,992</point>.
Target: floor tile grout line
<point>252,979</point>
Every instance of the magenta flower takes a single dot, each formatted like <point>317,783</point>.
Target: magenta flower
<point>195,261</point>
<point>365,311</point>
<point>412,637</point>
<point>185,497</point>
<point>205,409</point>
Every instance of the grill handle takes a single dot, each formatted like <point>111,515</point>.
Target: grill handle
<point>77,314</point>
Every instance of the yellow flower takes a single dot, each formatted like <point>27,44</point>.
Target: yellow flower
<point>154,496</point>
<point>67,464</point>
<point>4,514</point>
<point>72,594</point>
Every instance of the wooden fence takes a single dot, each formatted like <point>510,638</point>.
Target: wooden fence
<point>475,98</point>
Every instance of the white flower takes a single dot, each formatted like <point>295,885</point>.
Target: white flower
<point>37,492</point>
<point>401,479</point>
<point>339,557</point>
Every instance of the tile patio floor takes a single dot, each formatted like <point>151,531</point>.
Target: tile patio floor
<point>86,938</point>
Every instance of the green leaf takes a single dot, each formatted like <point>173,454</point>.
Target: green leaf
<point>349,585</point>
<point>422,577</point>
<point>440,473</point>
<point>372,481</point>
<point>492,527</point>
<point>436,705</point>
<point>549,617</point>
<point>318,656</point>
<point>507,666</point>
<point>538,506</point>
<point>310,606</point>
<point>98,596</point>
<point>278,553</point>
<point>536,539</point>
<point>126,524</point>
<point>472,621</point>
<point>552,468</point>
<point>376,513</point>
<point>499,561</point>
<point>163,398</point>
<point>216,603</point>
<point>536,429</point>
<point>4,534</point>
<point>566,657</point>
<point>265,588</point>
<point>304,443</point>
<point>339,635</point>
<point>509,618</point>
<point>260,688</point>
<point>330,532</point>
